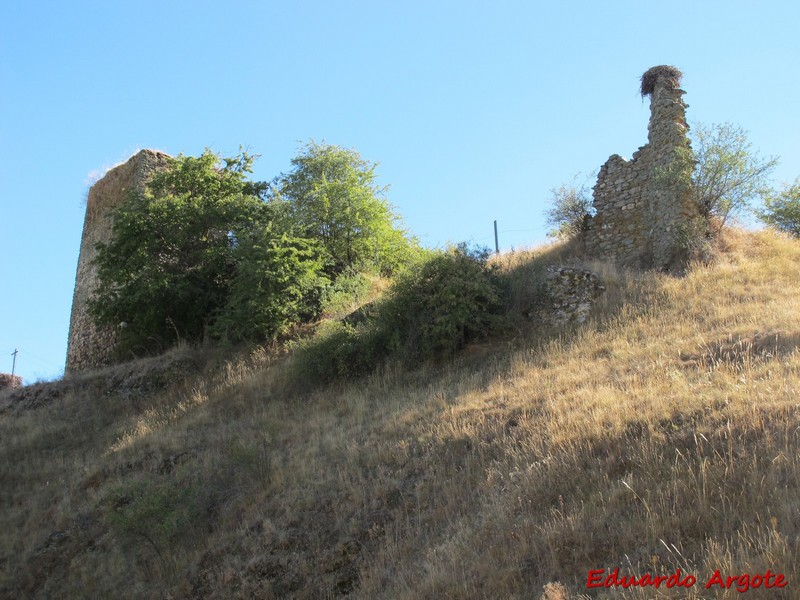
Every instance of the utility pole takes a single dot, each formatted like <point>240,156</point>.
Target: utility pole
<point>496,245</point>
<point>14,363</point>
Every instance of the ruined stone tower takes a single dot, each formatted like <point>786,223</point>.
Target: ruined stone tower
<point>89,346</point>
<point>640,204</point>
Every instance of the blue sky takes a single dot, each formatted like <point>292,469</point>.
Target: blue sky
<point>473,110</point>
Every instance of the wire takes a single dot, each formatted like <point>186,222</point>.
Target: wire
<point>45,362</point>
<point>517,230</point>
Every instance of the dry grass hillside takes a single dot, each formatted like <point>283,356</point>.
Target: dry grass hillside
<point>662,434</point>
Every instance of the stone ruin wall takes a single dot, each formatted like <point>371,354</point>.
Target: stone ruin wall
<point>637,220</point>
<point>567,296</point>
<point>89,346</point>
<point>638,214</point>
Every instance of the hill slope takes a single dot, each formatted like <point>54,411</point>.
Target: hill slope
<point>662,434</point>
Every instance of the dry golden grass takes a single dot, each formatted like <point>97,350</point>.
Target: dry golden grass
<point>661,435</point>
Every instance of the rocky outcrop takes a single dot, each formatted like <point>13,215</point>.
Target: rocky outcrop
<point>90,346</point>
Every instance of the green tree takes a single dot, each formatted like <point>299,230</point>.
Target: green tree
<point>570,204</point>
<point>728,174</point>
<point>782,209</point>
<point>277,284</point>
<point>335,199</point>
<point>182,253</point>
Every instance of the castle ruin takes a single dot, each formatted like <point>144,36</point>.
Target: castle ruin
<point>90,346</point>
<point>641,206</point>
<point>642,203</point>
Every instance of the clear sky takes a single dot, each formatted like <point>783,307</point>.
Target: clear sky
<point>474,110</point>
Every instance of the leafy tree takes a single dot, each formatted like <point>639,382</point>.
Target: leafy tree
<point>728,174</point>
<point>782,209</point>
<point>277,284</point>
<point>569,206</point>
<point>184,253</point>
<point>334,198</point>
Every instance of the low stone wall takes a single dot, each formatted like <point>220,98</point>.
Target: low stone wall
<point>568,295</point>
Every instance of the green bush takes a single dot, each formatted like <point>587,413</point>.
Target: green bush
<point>432,310</point>
<point>344,294</point>
<point>695,240</point>
<point>158,513</point>
<point>338,351</point>
<point>728,174</point>
<point>277,284</point>
<point>436,308</point>
<point>206,254</point>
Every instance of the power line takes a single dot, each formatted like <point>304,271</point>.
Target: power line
<point>45,361</point>
<point>517,230</point>
<point>29,356</point>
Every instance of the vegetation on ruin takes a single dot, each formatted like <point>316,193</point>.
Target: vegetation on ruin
<point>205,253</point>
<point>181,261</point>
<point>726,176</point>
<point>661,434</point>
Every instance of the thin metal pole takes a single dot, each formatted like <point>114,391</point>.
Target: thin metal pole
<point>496,245</point>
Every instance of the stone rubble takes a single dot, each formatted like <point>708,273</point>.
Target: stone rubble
<point>568,295</point>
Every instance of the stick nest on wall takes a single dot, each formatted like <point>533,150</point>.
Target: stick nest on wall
<point>670,74</point>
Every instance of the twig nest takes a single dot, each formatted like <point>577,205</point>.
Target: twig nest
<point>669,74</point>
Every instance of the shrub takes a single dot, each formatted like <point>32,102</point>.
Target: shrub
<point>439,306</point>
<point>696,239</point>
<point>277,284</point>
<point>344,294</point>
<point>433,309</point>
<point>157,513</point>
<point>338,350</point>
<point>202,252</point>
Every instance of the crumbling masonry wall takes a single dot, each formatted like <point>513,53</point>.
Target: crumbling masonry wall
<point>89,346</point>
<point>640,204</point>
